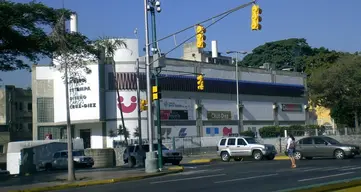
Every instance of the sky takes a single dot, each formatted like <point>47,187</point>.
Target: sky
<point>329,23</point>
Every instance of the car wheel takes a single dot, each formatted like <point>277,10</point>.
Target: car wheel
<point>298,155</point>
<point>270,157</point>
<point>225,156</point>
<point>48,167</point>
<point>257,155</point>
<point>339,154</point>
<point>132,162</point>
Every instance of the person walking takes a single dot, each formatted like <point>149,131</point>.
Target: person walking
<point>291,146</point>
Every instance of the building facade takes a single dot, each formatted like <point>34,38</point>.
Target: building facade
<point>15,115</point>
<point>267,98</point>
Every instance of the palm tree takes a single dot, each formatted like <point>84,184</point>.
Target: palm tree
<point>111,45</point>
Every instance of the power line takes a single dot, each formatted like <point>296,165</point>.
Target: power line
<point>225,14</point>
<point>204,21</point>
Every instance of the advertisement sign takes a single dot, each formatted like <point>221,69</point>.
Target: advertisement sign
<point>209,131</point>
<point>173,114</point>
<point>83,96</point>
<point>219,115</point>
<point>2,107</point>
<point>178,131</point>
<point>292,107</point>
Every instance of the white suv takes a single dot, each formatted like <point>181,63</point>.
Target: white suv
<point>238,147</point>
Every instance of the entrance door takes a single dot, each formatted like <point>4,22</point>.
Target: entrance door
<point>85,135</point>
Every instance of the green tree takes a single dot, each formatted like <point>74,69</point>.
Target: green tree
<point>339,85</point>
<point>22,33</point>
<point>281,54</point>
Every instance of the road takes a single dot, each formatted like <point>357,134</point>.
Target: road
<point>264,176</point>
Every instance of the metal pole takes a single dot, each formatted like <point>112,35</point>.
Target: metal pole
<point>149,86</point>
<point>237,92</point>
<point>150,163</point>
<point>138,101</point>
<point>155,51</point>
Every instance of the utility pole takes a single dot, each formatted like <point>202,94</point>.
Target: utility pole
<point>155,6</point>
<point>150,161</point>
<point>239,123</point>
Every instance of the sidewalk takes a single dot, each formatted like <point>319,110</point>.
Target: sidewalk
<point>48,182</point>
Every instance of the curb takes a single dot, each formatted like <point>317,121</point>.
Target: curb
<point>98,182</point>
<point>331,186</point>
<point>282,157</point>
<point>210,160</point>
<point>176,168</point>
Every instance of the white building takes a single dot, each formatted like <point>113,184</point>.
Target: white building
<point>184,110</point>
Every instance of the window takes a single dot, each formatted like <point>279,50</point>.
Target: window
<point>223,142</point>
<point>30,106</point>
<point>241,142</point>
<point>56,155</point>
<point>63,155</point>
<point>2,149</point>
<point>231,141</point>
<point>319,141</point>
<point>45,109</point>
<point>251,140</point>
<point>307,141</point>
<point>30,127</point>
<point>332,141</point>
<point>21,107</point>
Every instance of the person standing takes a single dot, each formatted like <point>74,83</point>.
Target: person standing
<point>291,147</point>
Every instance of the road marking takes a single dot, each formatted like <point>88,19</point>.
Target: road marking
<point>323,177</point>
<point>315,169</point>
<point>349,169</point>
<point>189,178</point>
<point>198,171</point>
<point>246,178</point>
<point>331,169</point>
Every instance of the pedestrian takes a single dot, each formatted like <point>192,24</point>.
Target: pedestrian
<point>291,147</point>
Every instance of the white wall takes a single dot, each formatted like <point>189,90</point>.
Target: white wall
<point>177,131</point>
<point>259,77</point>
<point>218,73</point>
<point>96,133</point>
<point>87,100</point>
<point>259,111</point>
<point>289,80</point>
<point>129,53</point>
<point>44,72</point>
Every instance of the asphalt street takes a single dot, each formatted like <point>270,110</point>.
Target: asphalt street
<point>263,176</point>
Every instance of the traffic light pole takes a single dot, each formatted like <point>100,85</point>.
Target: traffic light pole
<point>157,71</point>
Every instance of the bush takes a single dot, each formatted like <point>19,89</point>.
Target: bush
<point>247,133</point>
<point>270,131</point>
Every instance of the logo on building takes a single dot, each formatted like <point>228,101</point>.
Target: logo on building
<point>182,132</point>
<point>130,108</point>
<point>227,131</point>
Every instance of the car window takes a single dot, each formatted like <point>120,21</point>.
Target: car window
<point>241,142</point>
<point>319,141</point>
<point>56,155</point>
<point>307,141</point>
<point>78,153</point>
<point>63,154</point>
<point>223,142</point>
<point>231,141</point>
<point>332,141</point>
<point>251,140</point>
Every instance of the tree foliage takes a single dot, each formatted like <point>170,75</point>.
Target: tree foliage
<point>23,34</point>
<point>338,86</point>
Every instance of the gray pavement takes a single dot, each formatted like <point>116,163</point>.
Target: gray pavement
<point>249,176</point>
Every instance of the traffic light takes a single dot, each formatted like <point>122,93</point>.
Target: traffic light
<point>200,83</point>
<point>256,18</point>
<point>156,93</point>
<point>201,38</point>
<point>143,105</point>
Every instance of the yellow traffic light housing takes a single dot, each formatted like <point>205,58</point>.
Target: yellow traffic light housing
<point>156,93</point>
<point>143,105</point>
<point>201,38</point>
<point>200,83</point>
<point>256,18</point>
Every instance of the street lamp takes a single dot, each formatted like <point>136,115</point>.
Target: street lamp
<point>237,88</point>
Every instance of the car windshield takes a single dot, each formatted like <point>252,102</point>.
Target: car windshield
<point>332,141</point>
<point>251,140</point>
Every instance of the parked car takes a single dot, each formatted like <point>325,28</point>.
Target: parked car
<point>169,156</point>
<point>60,160</point>
<point>322,146</point>
<point>239,147</point>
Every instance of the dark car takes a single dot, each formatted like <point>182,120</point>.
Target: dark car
<point>169,156</point>
<point>322,146</point>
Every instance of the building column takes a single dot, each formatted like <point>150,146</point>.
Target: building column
<point>104,134</point>
<point>275,114</point>
<point>34,88</point>
<point>199,122</point>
